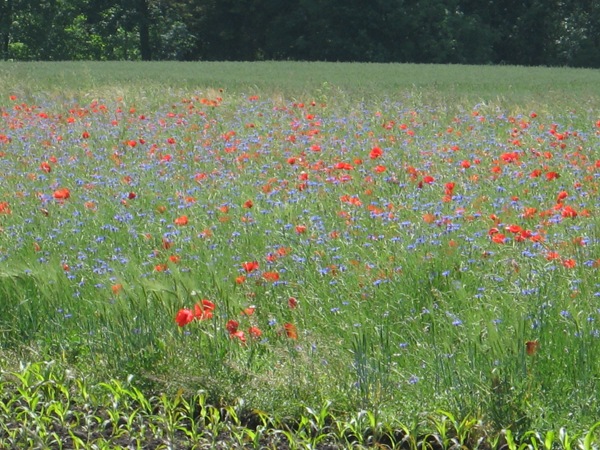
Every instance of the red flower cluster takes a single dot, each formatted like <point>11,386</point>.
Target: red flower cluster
<point>202,311</point>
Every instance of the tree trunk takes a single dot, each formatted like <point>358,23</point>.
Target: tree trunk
<point>144,23</point>
<point>5,25</point>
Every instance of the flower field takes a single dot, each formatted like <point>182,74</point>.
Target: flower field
<point>410,256</point>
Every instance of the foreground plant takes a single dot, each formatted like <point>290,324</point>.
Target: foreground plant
<point>46,406</point>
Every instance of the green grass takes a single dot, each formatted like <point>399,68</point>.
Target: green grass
<point>506,85</point>
<point>411,319</point>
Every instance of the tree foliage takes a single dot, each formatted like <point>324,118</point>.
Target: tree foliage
<point>524,32</point>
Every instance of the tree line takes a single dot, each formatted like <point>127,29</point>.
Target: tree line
<point>522,32</point>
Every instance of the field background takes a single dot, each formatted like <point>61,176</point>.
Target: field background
<point>448,334</point>
<point>504,84</point>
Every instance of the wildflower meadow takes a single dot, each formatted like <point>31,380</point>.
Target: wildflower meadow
<point>348,255</point>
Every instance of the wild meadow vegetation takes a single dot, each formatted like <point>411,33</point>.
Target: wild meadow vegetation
<point>299,255</point>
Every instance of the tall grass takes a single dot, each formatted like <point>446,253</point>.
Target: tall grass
<point>377,287</point>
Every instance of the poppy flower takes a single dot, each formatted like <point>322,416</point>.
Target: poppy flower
<point>248,204</point>
<point>183,317</point>
<point>250,266</point>
<point>5,208</point>
<point>561,196</point>
<point>343,166</point>
<point>204,310</point>
<point>499,238</point>
<point>531,347</point>
<point>292,302</point>
<point>45,167</point>
<point>290,330</point>
<point>568,212</point>
<point>239,335</point>
<point>248,311</point>
<point>232,326</point>
<point>536,173</point>
<point>180,221</point>
<point>514,229</point>
<point>62,194</point>
<point>255,332</point>
<point>116,288</point>
<point>271,276</point>
<point>375,153</point>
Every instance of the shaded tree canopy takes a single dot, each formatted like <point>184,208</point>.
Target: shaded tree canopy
<point>523,32</point>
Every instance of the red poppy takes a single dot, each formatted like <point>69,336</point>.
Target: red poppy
<point>514,229</point>
<point>499,238</point>
<point>62,194</point>
<point>536,173</point>
<point>248,204</point>
<point>343,166</point>
<point>204,310</point>
<point>375,153</point>
<point>116,288</point>
<point>182,220</point>
<point>561,196</point>
<point>552,175</point>
<point>248,311</point>
<point>184,316</point>
<point>5,208</point>
<point>300,229</point>
<point>45,167</point>
<point>568,212</point>
<point>292,302</point>
<point>250,266</point>
<point>232,326</point>
<point>239,335</point>
<point>271,276</point>
<point>531,347</point>
<point>290,330</point>
<point>255,332</point>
